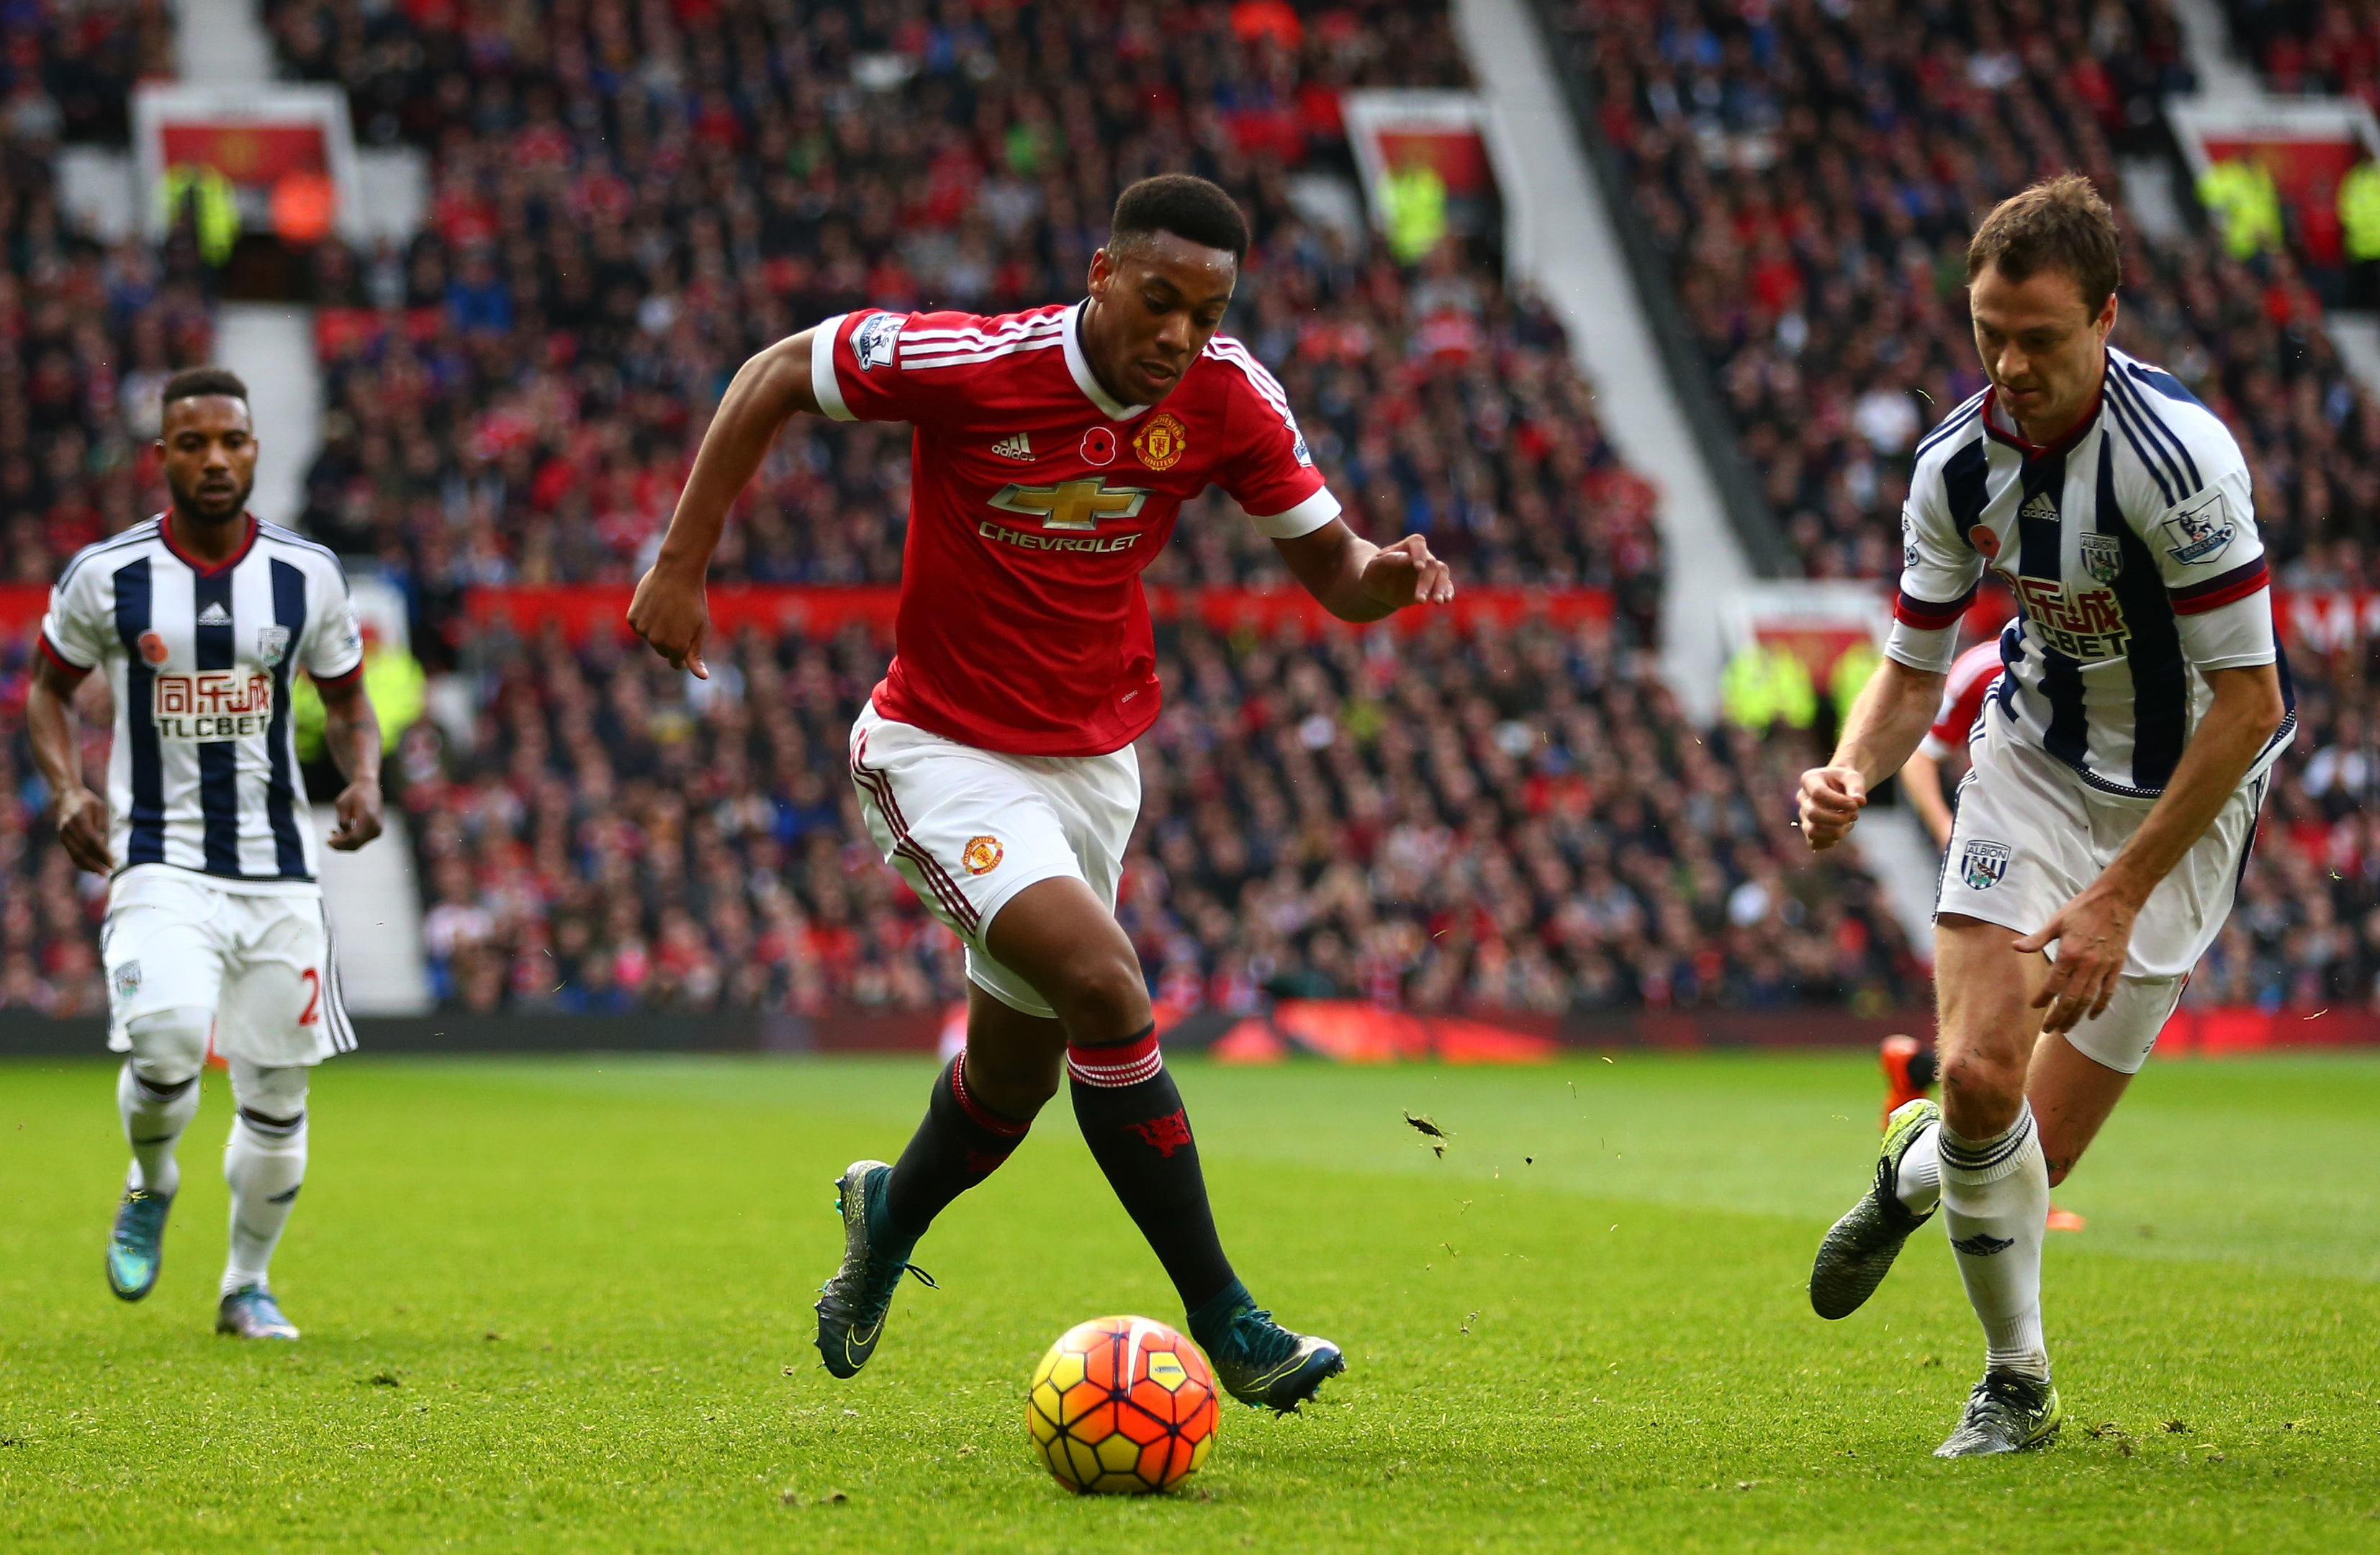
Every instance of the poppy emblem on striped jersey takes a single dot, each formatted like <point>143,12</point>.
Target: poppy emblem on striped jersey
<point>152,648</point>
<point>1099,445</point>
<point>1161,443</point>
<point>983,854</point>
<point>1985,541</point>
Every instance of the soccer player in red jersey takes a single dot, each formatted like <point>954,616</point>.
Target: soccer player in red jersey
<point>1051,451</point>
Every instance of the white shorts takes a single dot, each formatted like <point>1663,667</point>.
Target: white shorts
<point>968,829</point>
<point>2029,835</point>
<point>263,965</point>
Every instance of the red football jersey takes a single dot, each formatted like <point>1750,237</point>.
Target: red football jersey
<point>1034,500</point>
<point>1972,678</point>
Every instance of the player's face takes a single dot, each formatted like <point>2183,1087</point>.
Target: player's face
<point>209,449</point>
<point>1158,300</point>
<point>2042,347</point>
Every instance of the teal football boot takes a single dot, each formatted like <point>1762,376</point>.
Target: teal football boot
<point>136,1247</point>
<point>1258,1361</point>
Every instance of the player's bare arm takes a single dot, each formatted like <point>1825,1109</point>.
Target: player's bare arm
<point>81,815</point>
<point>1356,580</point>
<point>351,730</point>
<point>2093,930</point>
<point>1891,715</point>
<point>1922,780</point>
<point>669,610</point>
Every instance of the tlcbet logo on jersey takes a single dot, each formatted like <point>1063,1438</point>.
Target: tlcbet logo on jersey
<point>211,705</point>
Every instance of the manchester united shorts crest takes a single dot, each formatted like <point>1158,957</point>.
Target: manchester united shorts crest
<point>969,829</point>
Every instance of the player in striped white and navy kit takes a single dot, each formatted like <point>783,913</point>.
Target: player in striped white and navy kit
<point>2117,766</point>
<point>200,619</point>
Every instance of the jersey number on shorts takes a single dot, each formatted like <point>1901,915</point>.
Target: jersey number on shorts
<point>313,997</point>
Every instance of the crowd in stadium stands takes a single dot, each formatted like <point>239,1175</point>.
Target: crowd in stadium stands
<point>1506,819</point>
<point>2330,46</point>
<point>629,201</point>
<point>1812,174</point>
<point>68,69</point>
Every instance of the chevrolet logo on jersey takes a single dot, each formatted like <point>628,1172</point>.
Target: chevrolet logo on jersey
<point>211,705</point>
<point>1071,505</point>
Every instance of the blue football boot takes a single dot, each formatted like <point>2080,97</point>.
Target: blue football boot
<point>1258,1361</point>
<point>250,1312</point>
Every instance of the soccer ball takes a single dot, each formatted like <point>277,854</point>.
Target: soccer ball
<point>1122,1406</point>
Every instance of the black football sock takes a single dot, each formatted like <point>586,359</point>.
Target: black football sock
<point>1134,1120</point>
<point>961,1143</point>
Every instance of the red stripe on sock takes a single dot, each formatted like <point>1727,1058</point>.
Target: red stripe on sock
<point>1123,1063</point>
<point>977,1113</point>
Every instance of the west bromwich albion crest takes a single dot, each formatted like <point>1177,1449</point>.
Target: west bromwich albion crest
<point>271,643</point>
<point>2103,556</point>
<point>1985,865</point>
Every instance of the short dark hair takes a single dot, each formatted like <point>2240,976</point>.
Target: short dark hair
<point>1185,206</point>
<point>2059,223</point>
<point>192,382</point>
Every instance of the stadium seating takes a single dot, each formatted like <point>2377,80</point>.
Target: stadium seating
<point>1502,818</point>
<point>1829,302</point>
<point>517,397</point>
<point>2303,46</point>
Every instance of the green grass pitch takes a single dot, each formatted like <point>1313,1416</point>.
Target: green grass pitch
<point>564,1305</point>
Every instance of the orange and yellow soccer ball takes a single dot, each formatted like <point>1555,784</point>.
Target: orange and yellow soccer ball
<point>1122,1406</point>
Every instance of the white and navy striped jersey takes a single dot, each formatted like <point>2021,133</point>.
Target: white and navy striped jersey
<point>2131,546</point>
<point>203,775</point>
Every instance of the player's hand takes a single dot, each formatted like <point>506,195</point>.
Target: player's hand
<point>359,809</point>
<point>1832,798</point>
<point>82,828</point>
<point>671,613</point>
<point>2093,934</point>
<point>1406,573</point>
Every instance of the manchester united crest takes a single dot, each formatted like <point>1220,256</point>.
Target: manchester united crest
<point>983,854</point>
<point>1161,441</point>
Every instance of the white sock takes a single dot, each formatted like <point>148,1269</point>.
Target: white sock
<point>264,1162</point>
<point>1994,1203</point>
<point>154,1117</point>
<point>1918,1184</point>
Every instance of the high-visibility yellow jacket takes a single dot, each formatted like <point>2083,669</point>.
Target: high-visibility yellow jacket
<point>2359,211</point>
<point>2241,196</point>
<point>215,209</point>
<point>1414,198</point>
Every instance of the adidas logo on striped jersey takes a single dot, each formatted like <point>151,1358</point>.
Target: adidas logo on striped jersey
<point>2041,504</point>
<point>1013,447</point>
<point>214,615</point>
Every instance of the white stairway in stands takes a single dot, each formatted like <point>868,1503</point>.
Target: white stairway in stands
<point>376,918</point>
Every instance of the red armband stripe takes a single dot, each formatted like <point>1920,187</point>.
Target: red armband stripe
<point>2216,592</point>
<point>1928,616</point>
<point>50,652</point>
<point>337,682</point>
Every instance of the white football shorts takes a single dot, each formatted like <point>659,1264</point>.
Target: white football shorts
<point>968,829</point>
<point>263,964</point>
<point>2031,833</point>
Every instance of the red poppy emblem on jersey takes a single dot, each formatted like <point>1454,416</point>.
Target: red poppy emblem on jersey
<point>1985,540</point>
<point>1099,445</point>
<point>152,648</point>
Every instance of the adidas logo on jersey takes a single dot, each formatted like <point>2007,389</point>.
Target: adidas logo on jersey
<point>2041,504</point>
<point>214,615</point>
<point>1013,447</point>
